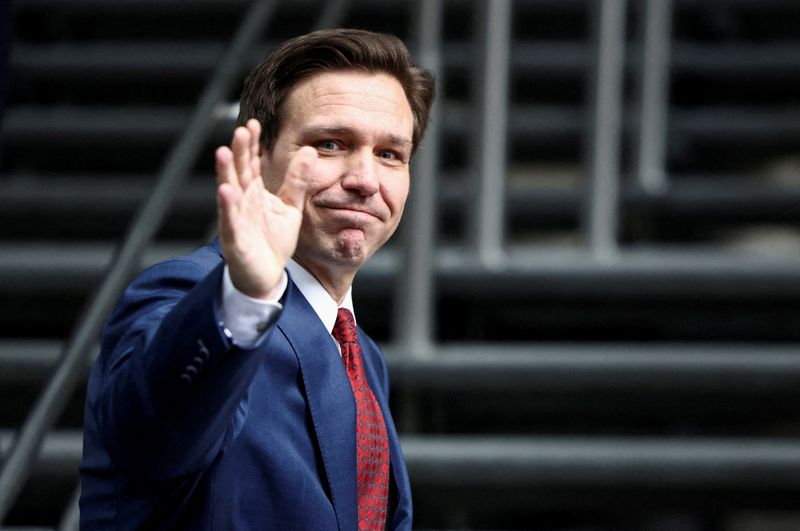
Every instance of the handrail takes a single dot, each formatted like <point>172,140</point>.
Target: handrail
<point>651,142</point>
<point>70,368</point>
<point>71,519</point>
<point>606,90</point>
<point>413,312</point>
<point>491,142</point>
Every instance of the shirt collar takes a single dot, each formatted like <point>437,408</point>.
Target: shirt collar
<point>319,299</point>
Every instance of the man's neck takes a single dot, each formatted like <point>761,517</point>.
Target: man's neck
<point>323,304</point>
<point>335,282</point>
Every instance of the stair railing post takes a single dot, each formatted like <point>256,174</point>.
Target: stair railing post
<point>601,222</point>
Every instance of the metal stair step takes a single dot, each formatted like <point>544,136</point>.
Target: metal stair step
<point>705,197</point>
<point>596,367</point>
<point>133,60</point>
<point>55,267</point>
<point>675,368</point>
<point>544,462</point>
<point>549,124</point>
<point>527,270</point>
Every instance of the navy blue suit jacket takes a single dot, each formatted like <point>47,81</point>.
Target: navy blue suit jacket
<point>185,430</point>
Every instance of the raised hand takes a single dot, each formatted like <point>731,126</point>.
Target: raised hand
<point>258,230</point>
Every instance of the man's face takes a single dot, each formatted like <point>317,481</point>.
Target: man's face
<point>361,126</point>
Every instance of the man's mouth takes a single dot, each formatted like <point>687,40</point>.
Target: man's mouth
<point>354,210</point>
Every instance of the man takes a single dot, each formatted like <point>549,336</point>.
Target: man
<point>235,392</point>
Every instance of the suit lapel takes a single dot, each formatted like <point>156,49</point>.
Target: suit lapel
<point>330,401</point>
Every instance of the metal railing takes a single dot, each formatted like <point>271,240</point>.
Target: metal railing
<point>654,96</point>
<point>413,318</point>
<point>492,81</point>
<point>605,133</point>
<point>413,330</point>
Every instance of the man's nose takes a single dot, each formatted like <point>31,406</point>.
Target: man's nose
<point>360,173</point>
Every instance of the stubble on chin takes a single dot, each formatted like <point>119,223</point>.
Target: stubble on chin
<point>350,247</point>
<point>334,251</point>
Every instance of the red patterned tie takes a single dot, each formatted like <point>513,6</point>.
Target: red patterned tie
<point>371,439</point>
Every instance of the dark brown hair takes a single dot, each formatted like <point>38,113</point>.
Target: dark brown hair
<point>269,84</point>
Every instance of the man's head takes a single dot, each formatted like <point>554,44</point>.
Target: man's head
<point>269,84</point>
<point>355,98</point>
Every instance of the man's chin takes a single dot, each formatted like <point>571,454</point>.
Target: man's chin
<point>348,249</point>
<point>351,244</point>
<point>352,257</point>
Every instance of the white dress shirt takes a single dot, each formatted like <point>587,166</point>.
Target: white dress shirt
<point>246,318</point>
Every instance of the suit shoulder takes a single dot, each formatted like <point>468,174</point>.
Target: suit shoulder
<point>191,266</point>
<point>163,284</point>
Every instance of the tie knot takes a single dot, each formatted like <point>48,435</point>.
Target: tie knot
<point>344,331</point>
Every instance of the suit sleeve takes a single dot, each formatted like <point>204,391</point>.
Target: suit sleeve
<point>172,385</point>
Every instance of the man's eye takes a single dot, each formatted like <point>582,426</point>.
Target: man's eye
<point>389,155</point>
<point>327,145</point>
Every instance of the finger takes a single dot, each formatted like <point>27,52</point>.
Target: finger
<point>254,126</point>
<point>297,178</point>
<point>241,155</point>
<point>226,208</point>
<point>224,166</point>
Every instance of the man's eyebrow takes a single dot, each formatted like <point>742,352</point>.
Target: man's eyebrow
<point>393,139</point>
<point>400,141</point>
<point>327,130</point>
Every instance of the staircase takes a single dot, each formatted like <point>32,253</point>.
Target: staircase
<point>646,384</point>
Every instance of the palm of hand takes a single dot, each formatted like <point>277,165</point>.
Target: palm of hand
<point>266,231</point>
<point>258,230</point>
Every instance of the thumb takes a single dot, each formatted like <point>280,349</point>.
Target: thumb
<point>295,183</point>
